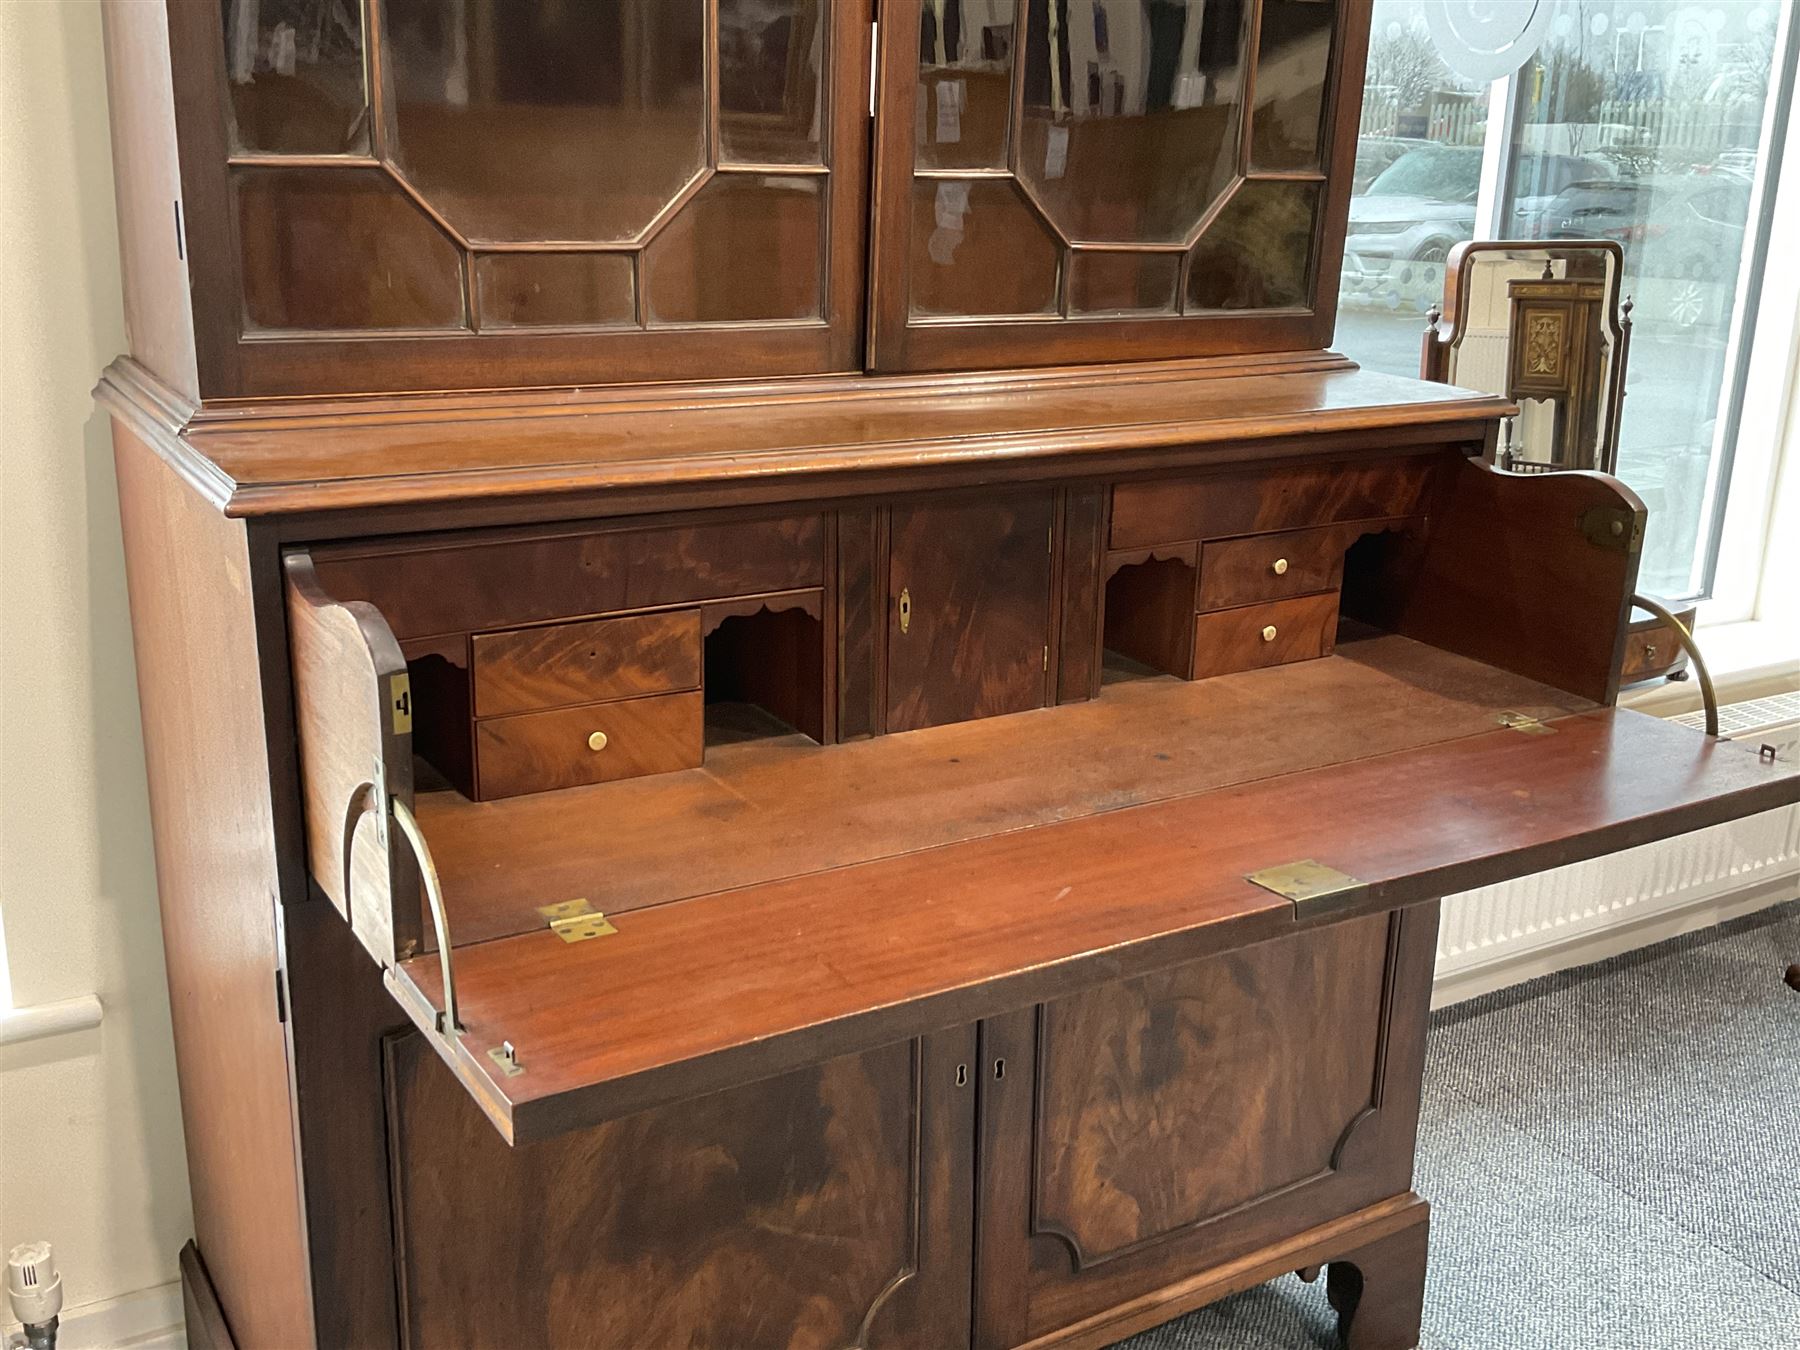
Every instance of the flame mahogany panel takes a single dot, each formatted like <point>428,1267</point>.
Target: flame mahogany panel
<point>812,1211</point>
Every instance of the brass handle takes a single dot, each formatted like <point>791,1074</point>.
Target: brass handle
<point>1279,567</point>
<point>597,740</point>
<point>1650,651</point>
<point>1269,633</point>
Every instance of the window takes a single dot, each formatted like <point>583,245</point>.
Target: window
<point>1645,121</point>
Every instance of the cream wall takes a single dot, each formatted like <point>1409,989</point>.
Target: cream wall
<point>90,1131</point>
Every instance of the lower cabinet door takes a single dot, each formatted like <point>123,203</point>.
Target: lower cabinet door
<point>1135,1135</point>
<point>825,1209</point>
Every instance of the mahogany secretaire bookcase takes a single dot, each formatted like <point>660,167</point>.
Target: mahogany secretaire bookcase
<point>789,701</point>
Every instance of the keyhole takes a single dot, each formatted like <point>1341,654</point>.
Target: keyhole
<point>999,1068</point>
<point>962,1075</point>
<point>905,609</point>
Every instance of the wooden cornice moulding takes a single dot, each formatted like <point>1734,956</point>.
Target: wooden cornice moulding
<point>723,444</point>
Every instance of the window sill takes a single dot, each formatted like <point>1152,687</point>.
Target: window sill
<point>1753,659</point>
<point>19,1025</point>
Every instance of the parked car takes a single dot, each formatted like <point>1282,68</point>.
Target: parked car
<point>1540,178</point>
<point>1374,154</point>
<point>1416,210</point>
<point>1688,227</point>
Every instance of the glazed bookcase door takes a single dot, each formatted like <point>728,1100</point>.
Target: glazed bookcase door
<point>1085,180</point>
<point>398,194</point>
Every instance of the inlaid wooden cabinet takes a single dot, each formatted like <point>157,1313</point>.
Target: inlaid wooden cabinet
<point>789,704</point>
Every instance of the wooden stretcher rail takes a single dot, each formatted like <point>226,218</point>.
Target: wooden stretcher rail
<point>710,992</point>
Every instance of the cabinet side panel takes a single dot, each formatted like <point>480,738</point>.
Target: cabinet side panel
<point>199,688</point>
<point>159,316</point>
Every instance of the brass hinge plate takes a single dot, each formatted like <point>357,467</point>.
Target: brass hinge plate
<point>1525,723</point>
<point>1303,881</point>
<point>576,921</point>
<point>1613,528</point>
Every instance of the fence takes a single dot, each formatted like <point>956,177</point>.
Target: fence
<point>1675,133</point>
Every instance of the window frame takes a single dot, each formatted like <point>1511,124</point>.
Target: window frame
<point>1759,418</point>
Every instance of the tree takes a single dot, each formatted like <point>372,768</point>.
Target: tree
<point>1407,63</point>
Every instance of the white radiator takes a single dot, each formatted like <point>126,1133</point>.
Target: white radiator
<point>1501,935</point>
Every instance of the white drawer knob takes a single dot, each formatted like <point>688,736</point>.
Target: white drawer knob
<point>1269,633</point>
<point>1279,567</point>
<point>597,741</point>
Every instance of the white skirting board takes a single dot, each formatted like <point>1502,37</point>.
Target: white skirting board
<point>1502,935</point>
<point>150,1319</point>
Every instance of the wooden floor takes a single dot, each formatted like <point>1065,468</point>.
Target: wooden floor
<point>785,807</point>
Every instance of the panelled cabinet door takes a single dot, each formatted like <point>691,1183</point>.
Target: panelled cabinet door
<point>1138,1132</point>
<point>823,1209</point>
<point>411,194</point>
<point>968,609</point>
<point>1079,180</point>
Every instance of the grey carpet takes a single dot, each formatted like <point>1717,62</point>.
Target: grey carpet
<point>1612,1156</point>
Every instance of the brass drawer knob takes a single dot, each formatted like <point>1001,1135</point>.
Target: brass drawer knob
<point>1269,633</point>
<point>597,740</point>
<point>1279,567</point>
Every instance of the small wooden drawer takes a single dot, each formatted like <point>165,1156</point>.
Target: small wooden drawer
<point>529,669</point>
<point>1651,653</point>
<point>1270,567</point>
<point>573,747</point>
<point>1265,635</point>
<point>1174,510</point>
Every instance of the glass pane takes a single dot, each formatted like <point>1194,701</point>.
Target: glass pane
<point>1258,252</point>
<point>746,247</point>
<point>542,120</point>
<point>965,83</point>
<point>295,69</point>
<point>1417,175</point>
<point>1648,135</point>
<point>1132,114</point>
<point>341,249</point>
<point>1293,57</point>
<point>978,248</point>
<point>1123,283</point>
<point>537,289</point>
<point>770,55</point>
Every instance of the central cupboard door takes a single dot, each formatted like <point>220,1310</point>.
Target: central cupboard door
<point>1085,180</point>
<point>968,609</point>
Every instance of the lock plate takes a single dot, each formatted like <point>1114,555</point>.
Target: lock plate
<point>905,609</point>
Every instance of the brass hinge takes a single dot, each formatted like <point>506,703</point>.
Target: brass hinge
<point>1614,528</point>
<point>1305,882</point>
<point>576,921</point>
<point>1525,723</point>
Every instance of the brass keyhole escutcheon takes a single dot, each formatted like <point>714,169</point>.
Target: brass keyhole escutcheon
<point>905,609</point>
<point>1269,633</point>
<point>1279,567</point>
<point>597,741</point>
